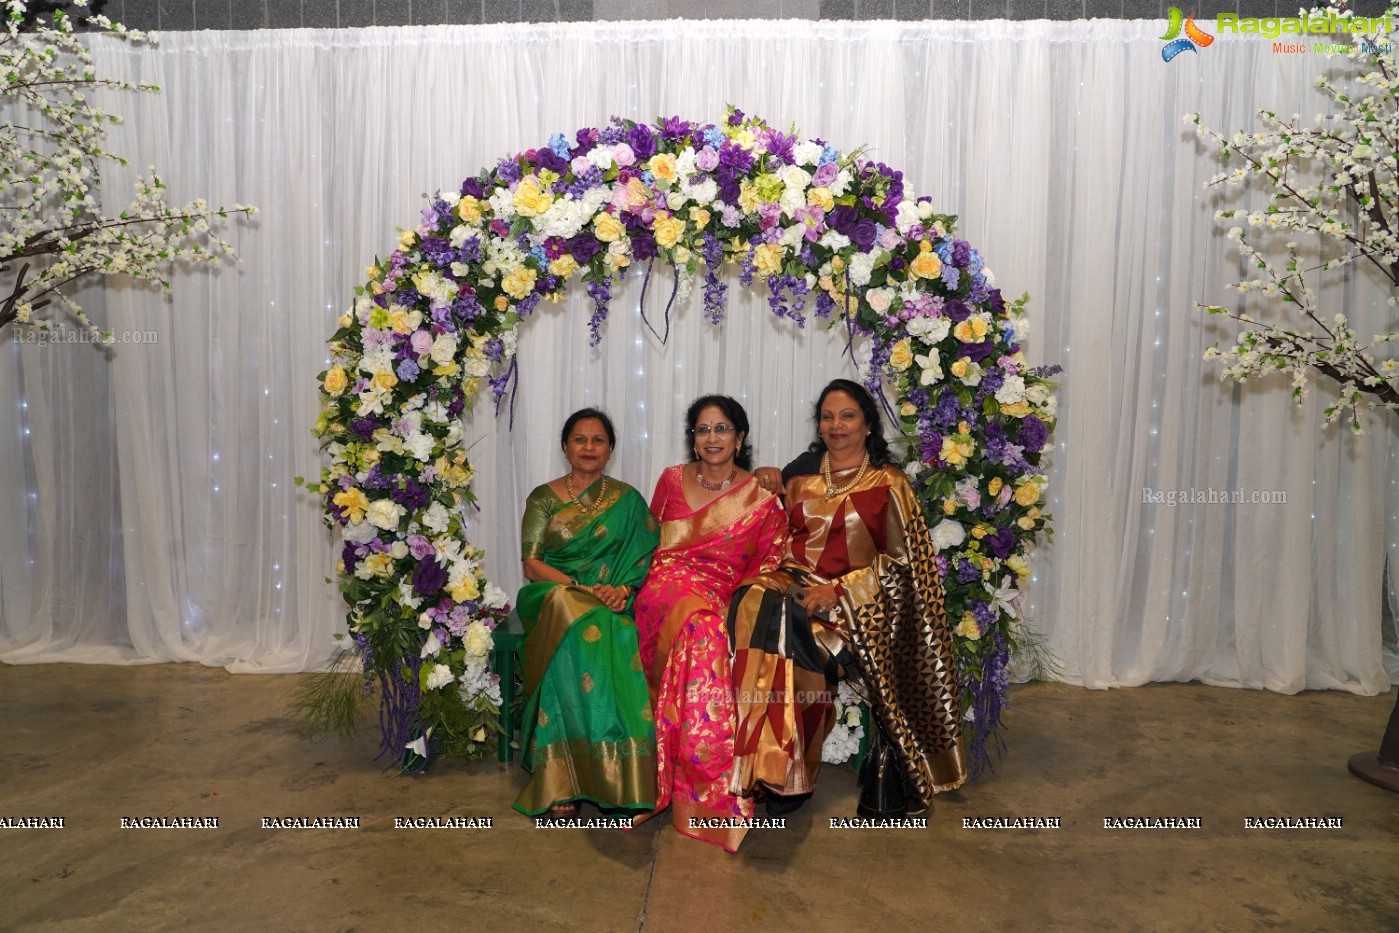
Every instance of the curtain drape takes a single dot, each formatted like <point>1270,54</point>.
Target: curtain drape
<point>150,514</point>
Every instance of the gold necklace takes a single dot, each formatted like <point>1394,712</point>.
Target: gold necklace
<point>597,500</point>
<point>831,490</point>
<point>715,487</point>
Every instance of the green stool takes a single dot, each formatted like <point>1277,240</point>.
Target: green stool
<point>509,640</point>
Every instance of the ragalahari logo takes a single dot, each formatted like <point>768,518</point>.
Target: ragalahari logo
<point>1175,43</point>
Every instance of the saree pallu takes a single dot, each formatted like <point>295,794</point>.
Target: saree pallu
<point>888,636</point>
<point>680,612</point>
<point>587,731</point>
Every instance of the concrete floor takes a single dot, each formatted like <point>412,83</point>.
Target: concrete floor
<point>95,744</point>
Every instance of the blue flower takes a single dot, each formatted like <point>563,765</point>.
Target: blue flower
<point>559,144</point>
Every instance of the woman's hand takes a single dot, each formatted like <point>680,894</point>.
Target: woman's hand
<point>820,598</point>
<point>770,478</point>
<point>613,597</point>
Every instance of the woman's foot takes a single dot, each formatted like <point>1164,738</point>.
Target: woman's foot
<point>563,810</point>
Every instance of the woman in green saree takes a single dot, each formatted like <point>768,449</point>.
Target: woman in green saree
<point>586,543</point>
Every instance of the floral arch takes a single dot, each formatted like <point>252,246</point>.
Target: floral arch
<point>821,230</point>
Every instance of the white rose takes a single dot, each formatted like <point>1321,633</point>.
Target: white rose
<point>834,241</point>
<point>362,533</point>
<point>947,534</point>
<point>477,640</point>
<point>1011,391</point>
<point>938,330</point>
<point>478,366</point>
<point>880,298</point>
<point>493,596</point>
<point>807,153</point>
<point>420,446</point>
<point>398,551</point>
<point>1037,394</point>
<point>861,267</point>
<point>906,217</point>
<point>440,677</point>
<point>675,200</point>
<point>384,513</point>
<point>444,349</point>
<point>795,178</point>
<point>435,518</point>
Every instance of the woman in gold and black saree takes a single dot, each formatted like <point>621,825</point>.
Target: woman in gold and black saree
<point>858,599</point>
<point>587,538</point>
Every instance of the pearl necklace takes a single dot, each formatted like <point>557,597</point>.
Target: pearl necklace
<point>831,490</point>
<point>597,500</point>
<point>715,487</point>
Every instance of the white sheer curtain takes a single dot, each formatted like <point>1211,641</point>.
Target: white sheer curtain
<point>150,514</point>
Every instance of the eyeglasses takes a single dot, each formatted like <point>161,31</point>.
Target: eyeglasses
<point>722,430</point>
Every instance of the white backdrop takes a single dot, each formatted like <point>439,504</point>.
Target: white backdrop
<point>149,513</point>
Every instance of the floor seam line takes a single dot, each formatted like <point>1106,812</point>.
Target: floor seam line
<point>650,878</point>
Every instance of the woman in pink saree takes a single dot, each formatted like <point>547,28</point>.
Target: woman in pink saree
<point>718,526</point>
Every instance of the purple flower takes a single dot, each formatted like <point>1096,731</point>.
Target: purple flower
<point>1002,543</point>
<point>408,370</point>
<point>419,546</point>
<point>825,174</point>
<point>842,219</point>
<point>363,428</point>
<point>736,118</point>
<point>583,248</point>
<point>967,572</point>
<point>1033,434</point>
<point>429,577</point>
<point>780,146</point>
<point>863,234</point>
<point>956,311</point>
<point>472,187</point>
<point>674,129</point>
<point>550,160</point>
<point>707,160</point>
<point>642,142</point>
<point>976,352</point>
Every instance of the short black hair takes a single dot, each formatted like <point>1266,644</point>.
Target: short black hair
<point>583,414</point>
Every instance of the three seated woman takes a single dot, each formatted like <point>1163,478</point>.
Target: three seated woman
<point>747,615</point>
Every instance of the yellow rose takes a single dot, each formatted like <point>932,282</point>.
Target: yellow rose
<point>1026,522</point>
<point>385,380</point>
<point>837,264</point>
<point>618,260</point>
<point>467,590</point>
<point>345,320</point>
<point>637,193</point>
<point>519,283</point>
<point>961,367</point>
<point>979,531</point>
<point>565,265</point>
<point>469,210</point>
<point>972,330</point>
<point>662,165</point>
<point>529,201</point>
<point>406,239</point>
<point>994,486</point>
<point>700,217</point>
<point>1027,494</point>
<point>908,409</point>
<point>968,628</point>
<point>1019,564</point>
<point>1016,409</point>
<point>501,302</point>
<point>353,502</point>
<point>608,228</point>
<point>400,322</point>
<point>821,197</point>
<point>336,381</point>
<point>949,506</point>
<point>369,456</point>
<point>926,265</point>
<point>767,259</point>
<point>748,198</point>
<point>956,449</point>
<point>380,565</point>
<point>371,272</point>
<point>668,230</point>
<point>901,357</point>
